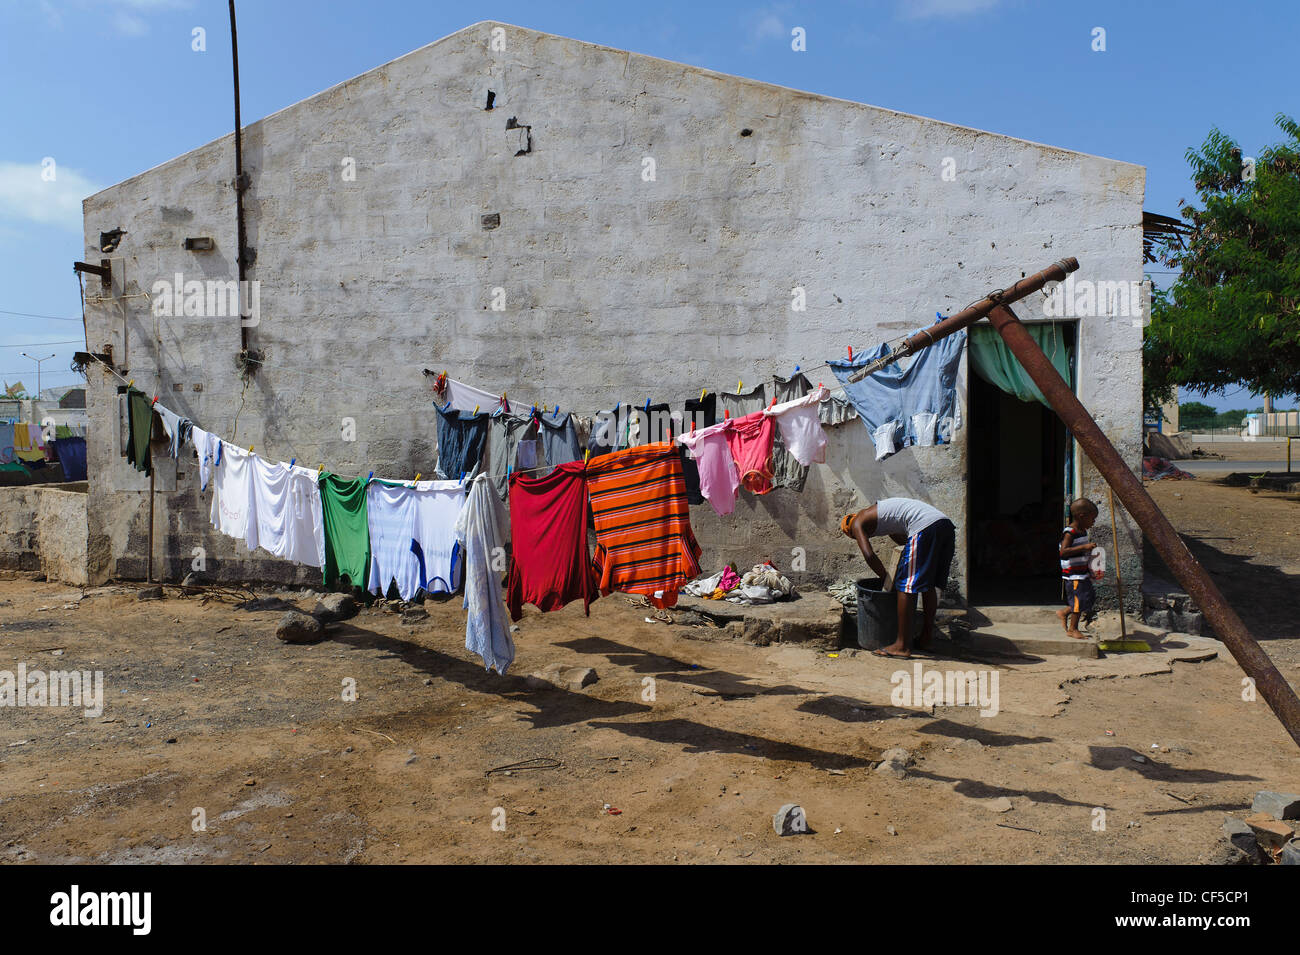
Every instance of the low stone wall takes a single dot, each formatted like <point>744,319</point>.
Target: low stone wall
<point>43,528</point>
<point>1164,605</point>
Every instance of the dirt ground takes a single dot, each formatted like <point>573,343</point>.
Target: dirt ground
<point>695,741</point>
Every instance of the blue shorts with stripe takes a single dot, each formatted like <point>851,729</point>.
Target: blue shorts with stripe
<point>926,559</point>
<point>1079,595</point>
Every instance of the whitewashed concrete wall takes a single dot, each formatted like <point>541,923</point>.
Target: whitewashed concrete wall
<point>617,288</point>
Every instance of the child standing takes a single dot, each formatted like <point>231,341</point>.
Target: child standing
<point>1075,550</point>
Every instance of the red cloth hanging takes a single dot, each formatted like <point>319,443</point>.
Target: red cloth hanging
<point>750,440</point>
<point>549,564</point>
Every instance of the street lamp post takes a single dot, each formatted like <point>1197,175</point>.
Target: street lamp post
<point>38,371</point>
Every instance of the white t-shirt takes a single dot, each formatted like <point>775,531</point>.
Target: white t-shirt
<point>902,515</point>
<point>405,517</point>
<point>801,426</point>
<point>287,508</point>
<point>233,508</point>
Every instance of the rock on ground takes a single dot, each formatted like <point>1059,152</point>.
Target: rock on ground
<point>562,677</point>
<point>297,627</point>
<point>334,607</point>
<point>790,820</point>
<point>1277,805</point>
<point>1241,836</point>
<point>893,762</point>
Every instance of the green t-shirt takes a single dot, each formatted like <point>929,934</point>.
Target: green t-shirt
<point>347,534</point>
<point>140,426</point>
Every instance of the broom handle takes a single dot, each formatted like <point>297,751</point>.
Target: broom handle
<point>1119,576</point>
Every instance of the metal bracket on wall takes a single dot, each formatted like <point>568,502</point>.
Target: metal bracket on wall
<point>104,270</point>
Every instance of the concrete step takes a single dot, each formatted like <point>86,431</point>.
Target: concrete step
<point>1025,639</point>
<point>1010,613</point>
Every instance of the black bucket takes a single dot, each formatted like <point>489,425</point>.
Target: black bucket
<point>877,614</point>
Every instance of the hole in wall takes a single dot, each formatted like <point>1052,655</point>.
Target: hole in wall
<point>492,96</point>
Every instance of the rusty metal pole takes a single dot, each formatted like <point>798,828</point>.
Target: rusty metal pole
<point>1119,571</point>
<point>1272,686</point>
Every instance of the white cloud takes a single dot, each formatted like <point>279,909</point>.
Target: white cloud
<point>27,197</point>
<point>766,24</point>
<point>926,9</point>
<point>127,16</point>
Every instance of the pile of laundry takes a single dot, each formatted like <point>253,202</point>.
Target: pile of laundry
<point>764,584</point>
<point>1157,469</point>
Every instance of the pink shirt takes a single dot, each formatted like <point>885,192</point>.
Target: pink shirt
<point>719,480</point>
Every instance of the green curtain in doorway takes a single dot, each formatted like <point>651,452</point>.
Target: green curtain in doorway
<point>993,361</point>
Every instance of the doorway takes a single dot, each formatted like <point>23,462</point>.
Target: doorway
<point>1021,475</point>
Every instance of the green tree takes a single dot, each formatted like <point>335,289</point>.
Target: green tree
<point>1195,414</point>
<point>1233,314</point>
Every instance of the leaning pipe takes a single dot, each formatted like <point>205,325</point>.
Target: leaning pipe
<point>972,313</point>
<point>1270,683</point>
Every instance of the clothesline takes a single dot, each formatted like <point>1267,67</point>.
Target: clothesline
<point>799,370</point>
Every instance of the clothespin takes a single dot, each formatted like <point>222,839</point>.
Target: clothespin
<point>739,385</point>
<point>154,402</point>
<point>557,411</point>
<point>647,405</point>
<point>586,456</point>
<point>417,477</point>
<point>772,403</point>
<point>796,369</point>
<point>370,477</point>
<point>292,462</point>
<point>250,449</point>
<point>726,413</point>
<point>703,392</point>
<point>476,409</point>
<point>850,353</point>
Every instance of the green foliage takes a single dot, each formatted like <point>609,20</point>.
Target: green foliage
<point>1233,315</point>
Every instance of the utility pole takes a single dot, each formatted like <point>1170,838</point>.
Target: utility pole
<point>38,371</point>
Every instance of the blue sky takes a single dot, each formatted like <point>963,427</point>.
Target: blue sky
<point>109,88</point>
